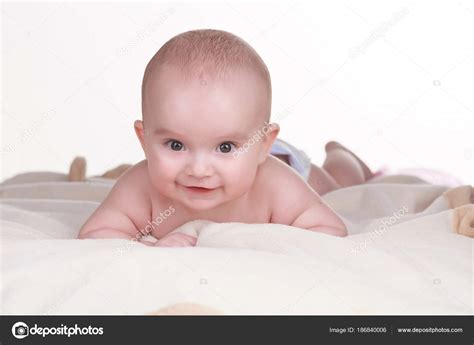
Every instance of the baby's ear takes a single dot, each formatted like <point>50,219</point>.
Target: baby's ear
<point>271,131</point>
<point>140,132</point>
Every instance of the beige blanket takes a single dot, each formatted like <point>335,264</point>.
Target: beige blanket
<point>409,252</point>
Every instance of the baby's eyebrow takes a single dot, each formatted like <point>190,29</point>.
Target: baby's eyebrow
<point>159,131</point>
<point>237,135</point>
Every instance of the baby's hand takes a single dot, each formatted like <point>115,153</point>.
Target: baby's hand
<point>176,239</point>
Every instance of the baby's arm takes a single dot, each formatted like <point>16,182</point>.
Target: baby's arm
<point>320,218</point>
<point>123,211</point>
<point>296,203</point>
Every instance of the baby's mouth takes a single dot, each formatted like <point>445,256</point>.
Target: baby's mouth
<point>198,189</point>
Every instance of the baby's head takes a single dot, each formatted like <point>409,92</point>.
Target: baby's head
<point>206,104</point>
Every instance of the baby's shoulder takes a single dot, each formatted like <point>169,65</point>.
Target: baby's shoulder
<point>287,192</point>
<point>134,184</point>
<point>275,173</point>
<point>136,175</point>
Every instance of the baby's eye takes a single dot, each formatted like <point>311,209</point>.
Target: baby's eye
<point>226,147</point>
<point>175,145</point>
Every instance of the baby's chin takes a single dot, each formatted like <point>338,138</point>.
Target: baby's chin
<point>192,201</point>
<point>202,203</point>
<point>198,201</point>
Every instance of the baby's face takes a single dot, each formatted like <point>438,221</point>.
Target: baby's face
<point>198,136</point>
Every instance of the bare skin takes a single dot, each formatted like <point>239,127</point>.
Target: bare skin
<point>265,203</point>
<point>192,133</point>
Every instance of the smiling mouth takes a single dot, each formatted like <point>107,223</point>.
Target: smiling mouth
<point>199,189</point>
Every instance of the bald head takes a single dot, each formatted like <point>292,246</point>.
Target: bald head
<point>207,55</point>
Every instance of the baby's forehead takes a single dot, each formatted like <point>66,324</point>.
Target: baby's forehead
<point>173,91</point>
<point>206,116</point>
<point>211,121</point>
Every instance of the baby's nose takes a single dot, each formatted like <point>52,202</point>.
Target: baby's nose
<point>200,166</point>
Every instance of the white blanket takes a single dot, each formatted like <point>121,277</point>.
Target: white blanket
<point>404,255</point>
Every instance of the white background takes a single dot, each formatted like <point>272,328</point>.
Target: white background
<point>391,80</point>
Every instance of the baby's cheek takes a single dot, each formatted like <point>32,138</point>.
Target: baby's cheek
<point>161,172</point>
<point>241,176</point>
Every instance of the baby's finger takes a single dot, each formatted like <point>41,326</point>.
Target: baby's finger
<point>189,237</point>
<point>167,242</point>
<point>189,240</point>
<point>176,242</point>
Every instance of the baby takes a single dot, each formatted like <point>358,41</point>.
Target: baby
<point>205,132</point>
